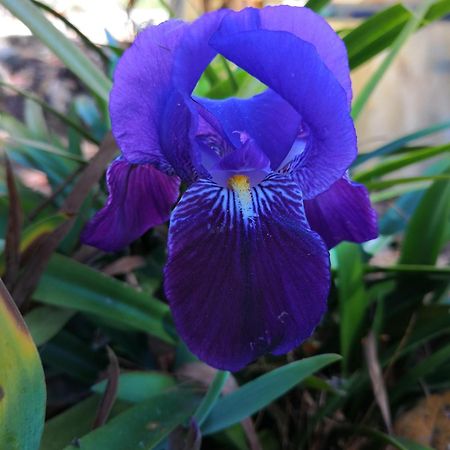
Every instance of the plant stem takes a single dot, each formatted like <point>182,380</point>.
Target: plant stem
<point>211,397</point>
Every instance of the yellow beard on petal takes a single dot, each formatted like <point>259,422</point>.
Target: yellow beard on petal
<point>240,184</point>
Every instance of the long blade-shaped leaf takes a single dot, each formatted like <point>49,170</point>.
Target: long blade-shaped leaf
<point>22,385</point>
<point>395,163</point>
<point>259,393</point>
<point>69,54</point>
<point>353,300</point>
<point>428,227</point>
<point>401,142</point>
<point>69,284</point>
<point>142,426</point>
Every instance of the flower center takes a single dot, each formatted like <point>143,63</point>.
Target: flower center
<point>240,184</point>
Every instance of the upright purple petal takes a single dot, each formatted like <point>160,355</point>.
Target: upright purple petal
<point>177,136</point>
<point>142,81</point>
<point>140,197</point>
<point>309,86</point>
<point>312,28</point>
<point>194,52</point>
<point>269,119</point>
<point>178,125</point>
<point>342,213</point>
<point>245,274</point>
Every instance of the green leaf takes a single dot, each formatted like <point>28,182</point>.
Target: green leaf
<point>69,425</point>
<point>44,322</point>
<point>62,117</point>
<point>259,393</point>
<point>142,426</point>
<point>22,145</point>
<point>399,162</point>
<point>35,120</point>
<point>353,300</point>
<point>68,52</point>
<point>22,384</point>
<point>317,5</point>
<point>73,423</point>
<point>379,31</point>
<point>385,184</point>
<point>429,226</point>
<point>438,9</point>
<point>71,355</point>
<point>411,26</point>
<point>43,146</point>
<point>210,399</point>
<point>375,34</point>
<point>401,142</point>
<point>136,387</point>
<point>426,367</point>
<point>69,284</point>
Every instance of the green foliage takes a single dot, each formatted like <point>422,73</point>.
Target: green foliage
<point>21,381</point>
<point>85,305</point>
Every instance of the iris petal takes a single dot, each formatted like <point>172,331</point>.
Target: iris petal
<point>312,28</point>
<point>140,197</point>
<point>269,119</point>
<point>194,52</point>
<point>310,87</point>
<point>142,81</point>
<point>245,274</point>
<point>343,213</point>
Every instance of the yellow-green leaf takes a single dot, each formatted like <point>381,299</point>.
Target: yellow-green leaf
<point>22,384</point>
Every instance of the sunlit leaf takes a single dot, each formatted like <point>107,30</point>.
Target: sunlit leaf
<point>22,386</point>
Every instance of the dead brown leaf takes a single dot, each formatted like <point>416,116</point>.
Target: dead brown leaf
<point>428,423</point>
<point>14,229</point>
<point>377,379</point>
<point>124,265</point>
<point>45,247</point>
<point>110,394</point>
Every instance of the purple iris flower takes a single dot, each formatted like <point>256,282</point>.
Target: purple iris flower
<point>267,188</point>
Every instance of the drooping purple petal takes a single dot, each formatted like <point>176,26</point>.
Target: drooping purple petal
<point>140,197</point>
<point>142,81</point>
<point>309,86</point>
<point>343,213</point>
<point>245,274</point>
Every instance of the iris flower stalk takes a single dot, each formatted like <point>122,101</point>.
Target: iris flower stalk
<point>268,192</point>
